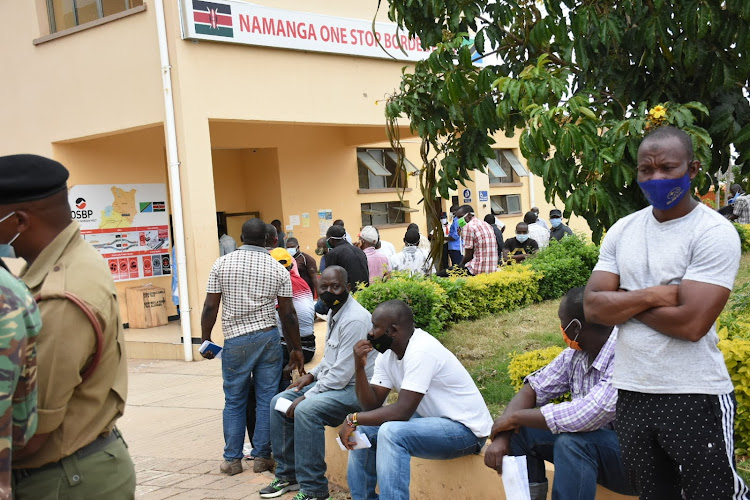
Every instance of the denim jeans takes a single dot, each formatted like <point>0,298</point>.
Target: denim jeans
<point>387,463</point>
<point>582,459</point>
<point>321,308</point>
<point>299,444</point>
<point>256,354</point>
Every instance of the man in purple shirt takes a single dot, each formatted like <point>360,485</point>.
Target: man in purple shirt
<point>577,436</point>
<point>377,262</point>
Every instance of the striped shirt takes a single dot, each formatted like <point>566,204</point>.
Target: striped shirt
<point>249,280</point>
<point>593,397</point>
<point>478,235</point>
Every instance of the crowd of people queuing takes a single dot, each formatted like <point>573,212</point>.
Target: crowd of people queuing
<point>635,423</point>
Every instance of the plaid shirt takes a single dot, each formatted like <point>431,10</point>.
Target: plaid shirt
<point>479,235</point>
<point>593,397</point>
<point>249,280</point>
<point>741,208</point>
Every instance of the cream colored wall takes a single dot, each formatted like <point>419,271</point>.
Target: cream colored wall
<point>136,157</point>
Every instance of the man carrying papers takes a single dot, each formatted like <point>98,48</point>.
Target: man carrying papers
<point>322,397</point>
<point>440,413</point>
<point>577,436</point>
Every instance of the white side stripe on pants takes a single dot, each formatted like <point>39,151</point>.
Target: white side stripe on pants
<point>727,422</point>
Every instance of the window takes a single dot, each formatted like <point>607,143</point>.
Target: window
<point>505,204</point>
<point>505,168</point>
<point>376,168</point>
<point>64,14</point>
<point>389,212</point>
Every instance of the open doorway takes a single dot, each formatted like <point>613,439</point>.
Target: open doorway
<point>234,221</point>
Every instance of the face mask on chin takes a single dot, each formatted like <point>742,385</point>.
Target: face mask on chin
<point>6,249</point>
<point>521,238</point>
<point>573,344</point>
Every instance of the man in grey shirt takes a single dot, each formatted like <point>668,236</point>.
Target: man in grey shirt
<point>322,397</point>
<point>664,278</point>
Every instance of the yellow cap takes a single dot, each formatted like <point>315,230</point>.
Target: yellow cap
<point>283,256</point>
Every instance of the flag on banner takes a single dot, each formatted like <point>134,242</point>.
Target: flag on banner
<point>212,18</point>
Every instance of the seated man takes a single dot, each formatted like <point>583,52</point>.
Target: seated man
<point>322,397</point>
<point>518,248</point>
<point>440,413</point>
<point>578,435</point>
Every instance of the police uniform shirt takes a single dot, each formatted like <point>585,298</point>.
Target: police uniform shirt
<point>75,412</point>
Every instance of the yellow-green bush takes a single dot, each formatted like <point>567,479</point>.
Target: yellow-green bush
<point>528,362</point>
<point>744,231</point>
<point>736,355</point>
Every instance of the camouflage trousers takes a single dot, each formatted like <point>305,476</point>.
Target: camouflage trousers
<point>107,474</point>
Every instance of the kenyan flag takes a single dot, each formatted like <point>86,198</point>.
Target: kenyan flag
<point>212,18</point>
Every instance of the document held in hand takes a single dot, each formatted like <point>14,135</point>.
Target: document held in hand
<point>357,437</point>
<point>207,345</point>
<point>282,405</point>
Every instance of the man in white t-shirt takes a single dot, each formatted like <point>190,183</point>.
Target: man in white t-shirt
<point>440,413</point>
<point>659,280</point>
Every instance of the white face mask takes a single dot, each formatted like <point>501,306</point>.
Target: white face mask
<point>293,251</point>
<point>6,249</point>
<point>521,238</point>
<point>444,221</point>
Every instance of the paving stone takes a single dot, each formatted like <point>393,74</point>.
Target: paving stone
<point>173,465</point>
<point>148,475</point>
<point>204,467</point>
<point>169,479</point>
<point>161,494</point>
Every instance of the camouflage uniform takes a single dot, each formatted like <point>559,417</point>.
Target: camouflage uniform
<point>20,323</point>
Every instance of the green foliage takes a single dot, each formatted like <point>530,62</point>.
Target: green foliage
<point>744,231</point>
<point>583,81</point>
<point>734,321</point>
<point>426,299</point>
<point>563,265</point>
<point>522,365</point>
<point>736,354</point>
<point>476,296</point>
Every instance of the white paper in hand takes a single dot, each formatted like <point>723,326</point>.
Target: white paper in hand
<point>360,439</point>
<point>282,405</point>
<point>516,478</point>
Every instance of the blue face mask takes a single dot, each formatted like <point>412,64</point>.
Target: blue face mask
<point>664,194</point>
<point>6,249</point>
<point>555,222</point>
<point>521,238</point>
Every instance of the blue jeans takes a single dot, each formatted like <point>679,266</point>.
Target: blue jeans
<point>582,459</point>
<point>387,463</point>
<point>299,445</point>
<point>256,354</point>
<point>321,308</point>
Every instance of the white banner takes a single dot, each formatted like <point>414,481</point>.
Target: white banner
<point>248,24</point>
<point>128,224</point>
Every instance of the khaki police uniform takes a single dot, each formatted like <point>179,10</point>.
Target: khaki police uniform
<point>84,455</point>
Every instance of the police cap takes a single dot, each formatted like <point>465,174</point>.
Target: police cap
<point>30,177</point>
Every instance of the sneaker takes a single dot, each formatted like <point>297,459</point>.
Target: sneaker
<point>278,487</point>
<point>231,467</point>
<point>261,464</point>
<point>247,450</point>
<point>321,317</point>
<point>305,496</point>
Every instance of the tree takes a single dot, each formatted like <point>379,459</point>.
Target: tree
<point>582,81</point>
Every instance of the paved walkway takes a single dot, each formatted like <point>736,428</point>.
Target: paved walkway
<point>173,427</point>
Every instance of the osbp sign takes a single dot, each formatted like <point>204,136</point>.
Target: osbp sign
<point>81,213</point>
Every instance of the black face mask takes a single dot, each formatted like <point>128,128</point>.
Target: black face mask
<point>382,343</point>
<point>332,300</point>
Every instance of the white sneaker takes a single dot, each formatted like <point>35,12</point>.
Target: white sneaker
<point>321,317</point>
<point>247,449</point>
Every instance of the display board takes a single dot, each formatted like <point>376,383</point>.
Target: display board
<point>128,224</point>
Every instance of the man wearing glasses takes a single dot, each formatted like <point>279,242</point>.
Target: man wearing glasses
<point>577,436</point>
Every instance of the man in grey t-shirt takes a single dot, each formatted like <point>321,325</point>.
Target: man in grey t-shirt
<point>665,286</point>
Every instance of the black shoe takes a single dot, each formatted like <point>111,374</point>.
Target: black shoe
<point>278,487</point>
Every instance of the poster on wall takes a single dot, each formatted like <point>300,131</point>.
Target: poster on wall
<point>128,224</point>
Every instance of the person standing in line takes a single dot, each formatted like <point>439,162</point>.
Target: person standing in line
<point>675,402</point>
<point>82,371</point>
<point>226,242</point>
<point>490,219</point>
<point>412,258</point>
<point>248,283</point>
<point>539,220</point>
<point>20,323</point>
<point>536,231</point>
<point>308,269</point>
<point>455,243</point>
<point>377,263</point>
<point>480,247</point>
<point>339,222</point>
<point>559,230</point>
<point>281,235</point>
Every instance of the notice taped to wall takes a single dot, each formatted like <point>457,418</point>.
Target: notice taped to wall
<point>128,224</point>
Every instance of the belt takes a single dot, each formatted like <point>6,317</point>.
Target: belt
<point>96,445</point>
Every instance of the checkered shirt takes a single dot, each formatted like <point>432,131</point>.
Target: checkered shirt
<point>594,399</point>
<point>249,280</point>
<point>479,235</point>
<point>741,208</point>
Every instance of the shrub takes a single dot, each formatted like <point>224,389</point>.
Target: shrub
<point>426,299</point>
<point>744,231</point>
<point>522,365</point>
<point>476,296</point>
<point>736,355</point>
<point>735,318</point>
<point>563,265</point>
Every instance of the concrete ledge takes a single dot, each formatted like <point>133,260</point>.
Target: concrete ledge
<point>465,478</point>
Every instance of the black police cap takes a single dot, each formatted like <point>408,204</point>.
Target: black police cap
<point>30,177</point>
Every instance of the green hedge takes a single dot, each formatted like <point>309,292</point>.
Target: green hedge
<point>744,231</point>
<point>563,265</point>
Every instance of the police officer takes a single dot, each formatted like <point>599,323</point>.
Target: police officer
<point>82,372</point>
